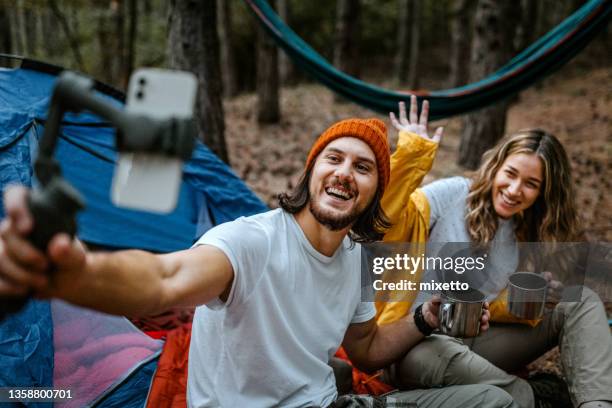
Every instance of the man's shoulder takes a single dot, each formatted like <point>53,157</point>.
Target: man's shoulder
<point>257,226</point>
<point>260,220</point>
<point>269,220</point>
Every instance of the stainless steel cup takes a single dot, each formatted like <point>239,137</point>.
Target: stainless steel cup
<point>526,295</point>
<point>460,313</point>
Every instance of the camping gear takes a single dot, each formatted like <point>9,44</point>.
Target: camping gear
<point>460,312</point>
<point>527,295</point>
<point>44,342</point>
<point>543,57</point>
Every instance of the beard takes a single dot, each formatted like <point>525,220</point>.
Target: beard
<point>334,222</point>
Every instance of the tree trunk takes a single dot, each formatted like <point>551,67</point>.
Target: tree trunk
<point>193,45</point>
<point>147,13</point>
<point>130,49</point>
<point>72,40</point>
<point>119,36</point>
<point>31,32</point>
<point>6,39</point>
<point>434,27</point>
<point>415,24</point>
<point>268,110</point>
<point>224,20</point>
<point>347,38</point>
<point>492,46</point>
<point>286,68</point>
<point>21,36</point>
<point>527,33</point>
<point>460,41</point>
<point>106,44</point>
<point>409,27</point>
<point>50,30</point>
<point>401,58</point>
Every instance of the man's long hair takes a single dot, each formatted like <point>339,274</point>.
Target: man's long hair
<point>552,217</point>
<point>370,226</point>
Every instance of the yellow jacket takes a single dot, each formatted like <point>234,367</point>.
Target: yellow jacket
<point>408,209</point>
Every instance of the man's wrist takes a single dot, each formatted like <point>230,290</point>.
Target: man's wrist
<point>421,323</point>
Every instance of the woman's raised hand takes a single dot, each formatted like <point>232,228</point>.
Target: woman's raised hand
<point>415,124</point>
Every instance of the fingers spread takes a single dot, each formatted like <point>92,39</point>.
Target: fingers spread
<point>402,114</point>
<point>438,135</point>
<point>424,114</point>
<point>394,121</point>
<point>413,109</point>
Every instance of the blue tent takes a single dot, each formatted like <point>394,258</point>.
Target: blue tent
<point>210,194</point>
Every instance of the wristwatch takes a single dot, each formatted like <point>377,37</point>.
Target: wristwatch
<point>421,324</point>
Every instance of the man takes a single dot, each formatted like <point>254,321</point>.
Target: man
<point>281,289</point>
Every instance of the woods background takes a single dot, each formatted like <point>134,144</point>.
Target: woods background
<point>259,113</point>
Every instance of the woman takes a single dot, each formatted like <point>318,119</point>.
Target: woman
<point>521,193</point>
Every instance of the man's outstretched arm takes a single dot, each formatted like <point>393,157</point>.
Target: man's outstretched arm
<point>125,282</point>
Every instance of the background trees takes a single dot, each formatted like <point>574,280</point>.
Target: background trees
<point>492,46</point>
<point>408,44</point>
<point>193,45</point>
<point>268,110</point>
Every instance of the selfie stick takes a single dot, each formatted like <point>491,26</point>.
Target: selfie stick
<point>55,204</point>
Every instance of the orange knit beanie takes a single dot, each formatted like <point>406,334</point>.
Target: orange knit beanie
<point>371,131</point>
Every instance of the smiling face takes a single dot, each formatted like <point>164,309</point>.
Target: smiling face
<point>343,182</point>
<point>517,184</point>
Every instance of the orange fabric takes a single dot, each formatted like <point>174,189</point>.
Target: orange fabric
<point>169,387</point>
<point>501,314</point>
<point>364,383</point>
<point>371,131</point>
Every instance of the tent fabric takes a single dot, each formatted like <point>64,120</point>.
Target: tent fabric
<point>133,392</point>
<point>210,192</point>
<point>95,352</point>
<point>169,388</point>
<point>542,58</point>
<point>26,350</point>
<point>38,343</point>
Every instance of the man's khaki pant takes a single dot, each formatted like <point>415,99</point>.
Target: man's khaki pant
<point>464,396</point>
<point>579,328</point>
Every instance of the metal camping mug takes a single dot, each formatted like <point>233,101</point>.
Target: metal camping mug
<point>460,313</point>
<point>527,295</point>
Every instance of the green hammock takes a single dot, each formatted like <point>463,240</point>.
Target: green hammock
<point>547,54</point>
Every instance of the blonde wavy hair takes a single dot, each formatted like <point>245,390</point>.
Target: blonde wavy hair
<point>551,218</point>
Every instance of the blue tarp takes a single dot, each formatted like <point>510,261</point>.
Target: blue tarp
<point>210,194</point>
<point>210,191</point>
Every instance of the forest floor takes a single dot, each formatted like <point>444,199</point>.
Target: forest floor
<point>575,105</point>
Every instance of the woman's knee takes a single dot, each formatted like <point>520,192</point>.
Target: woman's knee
<point>427,362</point>
<point>492,396</point>
<point>581,298</point>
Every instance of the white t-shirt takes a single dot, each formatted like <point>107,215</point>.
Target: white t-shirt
<point>448,208</point>
<point>285,317</point>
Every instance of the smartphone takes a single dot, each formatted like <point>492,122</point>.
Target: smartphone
<point>145,181</point>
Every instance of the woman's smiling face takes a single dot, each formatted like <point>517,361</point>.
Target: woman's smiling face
<point>517,184</point>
